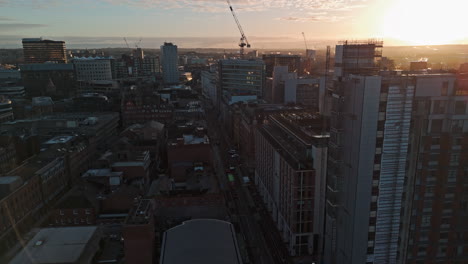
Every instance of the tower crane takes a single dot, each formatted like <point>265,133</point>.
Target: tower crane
<point>243,42</point>
<point>137,44</point>
<point>125,39</point>
<point>305,41</point>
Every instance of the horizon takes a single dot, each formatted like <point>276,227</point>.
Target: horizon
<point>228,43</point>
<point>398,22</point>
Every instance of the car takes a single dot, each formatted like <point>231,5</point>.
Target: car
<point>232,151</point>
<point>234,155</point>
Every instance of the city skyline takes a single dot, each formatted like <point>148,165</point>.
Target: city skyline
<point>106,22</point>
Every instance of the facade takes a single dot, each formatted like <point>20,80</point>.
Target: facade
<point>12,91</point>
<point>6,110</point>
<point>73,211</point>
<point>92,68</point>
<point>304,92</point>
<point>241,77</point>
<point>436,204</point>
<point>395,181</point>
<point>48,79</point>
<point>38,50</point>
<point>356,142</point>
<point>280,75</point>
<point>290,156</point>
<point>209,84</point>
<point>293,62</point>
<point>8,159</point>
<point>139,234</point>
<point>169,63</point>
<point>26,192</point>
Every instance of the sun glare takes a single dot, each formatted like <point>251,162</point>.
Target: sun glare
<point>426,22</point>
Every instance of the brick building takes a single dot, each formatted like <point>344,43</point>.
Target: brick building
<point>25,194</point>
<point>73,211</point>
<point>139,234</point>
<point>186,149</point>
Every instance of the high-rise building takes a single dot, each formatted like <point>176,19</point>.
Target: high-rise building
<point>38,50</point>
<point>92,68</point>
<point>292,61</point>
<point>395,166</point>
<point>169,63</point>
<point>355,149</point>
<point>433,223</point>
<point>241,77</point>
<point>290,157</point>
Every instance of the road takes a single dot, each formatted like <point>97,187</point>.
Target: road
<point>264,246</point>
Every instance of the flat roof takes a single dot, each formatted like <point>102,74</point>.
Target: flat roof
<point>9,179</point>
<point>59,139</point>
<point>56,245</point>
<point>201,241</point>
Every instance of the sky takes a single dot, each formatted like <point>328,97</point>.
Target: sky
<point>209,24</point>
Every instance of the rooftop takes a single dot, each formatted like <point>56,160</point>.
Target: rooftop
<point>59,139</point>
<point>56,245</point>
<point>8,179</point>
<point>46,67</point>
<point>201,241</point>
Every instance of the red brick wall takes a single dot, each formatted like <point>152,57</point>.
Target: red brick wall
<point>139,243</point>
<point>72,217</point>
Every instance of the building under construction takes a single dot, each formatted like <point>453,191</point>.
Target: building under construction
<point>358,57</point>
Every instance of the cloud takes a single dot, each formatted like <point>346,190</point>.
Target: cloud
<point>18,26</point>
<point>2,18</point>
<point>314,18</point>
<point>211,6</point>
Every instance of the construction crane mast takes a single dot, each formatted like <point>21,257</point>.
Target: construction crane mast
<point>125,39</point>
<point>305,41</point>
<point>243,40</point>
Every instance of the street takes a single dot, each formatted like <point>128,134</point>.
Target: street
<point>248,213</point>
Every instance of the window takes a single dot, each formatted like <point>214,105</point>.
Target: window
<point>425,220</point>
<point>438,107</point>
<point>61,212</point>
<point>436,125</point>
<point>452,176</point>
<point>75,212</point>
<point>460,107</point>
<point>445,86</point>
<point>457,125</point>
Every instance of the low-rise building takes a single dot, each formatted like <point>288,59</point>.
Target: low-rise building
<point>139,234</point>
<point>48,79</point>
<point>25,192</point>
<point>73,211</point>
<point>92,68</point>
<point>67,245</point>
<point>187,146</point>
<point>215,242</point>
